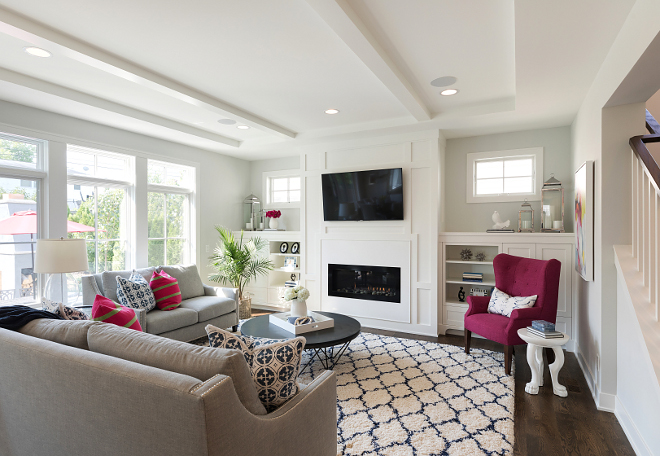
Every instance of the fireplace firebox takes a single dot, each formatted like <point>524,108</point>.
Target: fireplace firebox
<point>376,283</point>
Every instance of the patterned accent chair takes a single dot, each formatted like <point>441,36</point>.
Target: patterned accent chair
<point>515,276</point>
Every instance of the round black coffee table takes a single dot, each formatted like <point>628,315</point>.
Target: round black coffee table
<point>322,342</point>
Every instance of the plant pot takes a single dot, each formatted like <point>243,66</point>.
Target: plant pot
<point>273,223</point>
<point>298,308</point>
<point>245,308</point>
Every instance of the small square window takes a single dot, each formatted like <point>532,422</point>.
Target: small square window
<point>282,190</point>
<point>504,176</point>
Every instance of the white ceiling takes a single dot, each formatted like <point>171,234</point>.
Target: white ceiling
<point>171,69</point>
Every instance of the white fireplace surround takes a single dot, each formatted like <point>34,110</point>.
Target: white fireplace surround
<point>391,253</point>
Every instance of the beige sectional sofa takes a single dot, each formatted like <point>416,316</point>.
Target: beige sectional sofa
<point>202,305</point>
<point>91,388</point>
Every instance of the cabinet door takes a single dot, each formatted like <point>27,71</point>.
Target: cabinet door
<point>563,253</point>
<point>520,250</point>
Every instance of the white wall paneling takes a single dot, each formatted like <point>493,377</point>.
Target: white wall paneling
<point>378,242</point>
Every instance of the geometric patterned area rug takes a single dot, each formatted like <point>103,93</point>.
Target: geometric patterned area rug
<point>408,397</point>
<point>402,397</point>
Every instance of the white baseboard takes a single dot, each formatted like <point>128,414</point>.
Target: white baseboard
<point>586,371</point>
<point>634,437</point>
<point>606,402</point>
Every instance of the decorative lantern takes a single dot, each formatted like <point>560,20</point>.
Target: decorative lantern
<point>552,203</point>
<point>526,218</point>
<point>251,210</point>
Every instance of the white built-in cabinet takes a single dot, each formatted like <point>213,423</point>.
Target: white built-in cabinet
<point>542,246</point>
<point>267,291</point>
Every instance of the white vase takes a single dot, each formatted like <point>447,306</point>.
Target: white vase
<point>273,223</point>
<point>298,308</point>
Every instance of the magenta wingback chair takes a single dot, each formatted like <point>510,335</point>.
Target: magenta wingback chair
<point>515,276</point>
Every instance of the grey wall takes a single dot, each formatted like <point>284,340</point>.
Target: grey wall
<point>461,216</point>
<point>290,219</point>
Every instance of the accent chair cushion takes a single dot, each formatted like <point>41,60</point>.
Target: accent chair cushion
<point>502,304</point>
<point>109,280</point>
<point>166,290</point>
<point>108,311</point>
<point>274,366</point>
<point>189,280</point>
<point>160,321</point>
<point>209,307</point>
<point>135,292</point>
<point>171,355</point>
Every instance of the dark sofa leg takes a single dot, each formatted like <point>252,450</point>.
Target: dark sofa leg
<point>508,354</point>
<point>234,328</point>
<point>468,339</point>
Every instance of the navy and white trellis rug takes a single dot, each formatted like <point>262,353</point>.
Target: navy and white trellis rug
<point>408,397</point>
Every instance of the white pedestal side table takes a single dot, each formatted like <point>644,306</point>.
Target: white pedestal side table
<point>535,345</point>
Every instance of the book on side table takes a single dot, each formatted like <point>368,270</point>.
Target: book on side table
<point>545,334</point>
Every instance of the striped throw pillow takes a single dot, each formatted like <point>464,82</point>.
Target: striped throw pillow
<point>166,290</point>
<point>108,311</point>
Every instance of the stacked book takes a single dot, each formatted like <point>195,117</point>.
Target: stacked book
<point>473,277</point>
<point>290,284</point>
<point>544,329</point>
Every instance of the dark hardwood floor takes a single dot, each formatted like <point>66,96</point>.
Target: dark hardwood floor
<point>546,424</point>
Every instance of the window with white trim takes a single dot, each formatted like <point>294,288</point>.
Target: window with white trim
<point>21,162</point>
<point>505,175</point>
<point>170,202</point>
<point>99,186</point>
<point>282,189</point>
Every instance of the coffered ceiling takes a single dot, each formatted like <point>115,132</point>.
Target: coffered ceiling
<point>172,69</point>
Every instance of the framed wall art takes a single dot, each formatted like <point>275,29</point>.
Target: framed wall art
<point>584,220</point>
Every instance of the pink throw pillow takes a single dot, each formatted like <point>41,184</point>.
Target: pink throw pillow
<point>166,290</point>
<point>108,311</point>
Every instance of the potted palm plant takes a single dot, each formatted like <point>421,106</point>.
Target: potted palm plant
<point>236,263</point>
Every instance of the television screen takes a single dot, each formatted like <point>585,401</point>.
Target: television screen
<point>363,195</point>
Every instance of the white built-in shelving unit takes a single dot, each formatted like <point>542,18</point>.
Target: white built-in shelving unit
<point>268,291</point>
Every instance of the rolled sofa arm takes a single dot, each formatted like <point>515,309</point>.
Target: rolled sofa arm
<point>312,413</point>
<point>231,293</point>
<point>141,315</point>
<point>89,289</point>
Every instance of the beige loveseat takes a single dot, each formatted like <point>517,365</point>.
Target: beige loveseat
<point>72,388</point>
<point>202,305</point>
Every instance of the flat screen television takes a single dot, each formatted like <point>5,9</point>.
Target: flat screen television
<point>363,195</point>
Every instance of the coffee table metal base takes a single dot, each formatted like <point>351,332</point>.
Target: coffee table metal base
<point>330,358</point>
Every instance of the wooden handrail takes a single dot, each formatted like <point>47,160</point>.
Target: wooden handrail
<point>638,145</point>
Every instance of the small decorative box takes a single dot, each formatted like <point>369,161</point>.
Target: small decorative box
<point>544,326</point>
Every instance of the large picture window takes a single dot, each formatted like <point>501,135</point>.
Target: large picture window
<point>98,202</point>
<point>170,208</point>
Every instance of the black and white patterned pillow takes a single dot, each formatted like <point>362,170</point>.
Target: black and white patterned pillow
<point>66,312</point>
<point>274,363</point>
<point>70,313</point>
<point>135,292</point>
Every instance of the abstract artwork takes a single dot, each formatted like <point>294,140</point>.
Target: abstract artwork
<point>584,220</point>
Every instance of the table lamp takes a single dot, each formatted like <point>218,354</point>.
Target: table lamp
<point>60,256</point>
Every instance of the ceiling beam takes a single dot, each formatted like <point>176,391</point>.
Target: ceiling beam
<point>40,35</point>
<point>345,22</point>
<point>101,103</point>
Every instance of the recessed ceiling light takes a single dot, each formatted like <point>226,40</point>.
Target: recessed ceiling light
<point>332,111</point>
<point>37,52</point>
<point>444,81</point>
<point>448,92</point>
<point>227,121</point>
<point>242,127</point>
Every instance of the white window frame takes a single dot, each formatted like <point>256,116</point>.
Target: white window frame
<point>129,188</point>
<point>191,210</point>
<point>38,175</point>
<point>536,153</point>
<point>266,188</point>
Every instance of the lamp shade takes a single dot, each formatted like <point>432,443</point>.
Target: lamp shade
<point>55,256</point>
